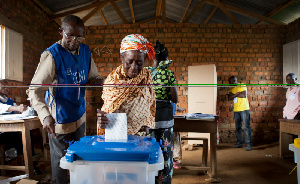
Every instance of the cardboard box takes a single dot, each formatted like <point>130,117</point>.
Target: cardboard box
<point>202,99</point>
<point>27,181</point>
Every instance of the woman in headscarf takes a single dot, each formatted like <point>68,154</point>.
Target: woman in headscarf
<point>164,120</point>
<point>137,102</point>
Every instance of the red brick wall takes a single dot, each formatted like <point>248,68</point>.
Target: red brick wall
<point>93,101</point>
<point>293,31</point>
<point>253,53</point>
<point>32,20</point>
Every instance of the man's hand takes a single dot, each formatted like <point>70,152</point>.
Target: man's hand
<point>49,125</point>
<point>231,96</point>
<point>241,94</point>
<point>102,120</point>
<point>21,108</point>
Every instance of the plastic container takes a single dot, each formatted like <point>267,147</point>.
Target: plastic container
<point>296,158</point>
<point>10,154</point>
<point>96,160</point>
<point>297,142</point>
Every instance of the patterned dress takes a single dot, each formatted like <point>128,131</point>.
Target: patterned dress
<point>137,103</point>
<point>177,151</point>
<point>164,121</point>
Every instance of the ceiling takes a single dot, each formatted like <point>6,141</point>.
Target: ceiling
<point>113,12</point>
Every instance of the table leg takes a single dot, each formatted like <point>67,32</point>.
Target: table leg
<point>213,154</point>
<point>285,140</point>
<point>205,152</point>
<point>213,159</point>
<point>26,140</point>
<point>45,152</point>
<point>2,158</point>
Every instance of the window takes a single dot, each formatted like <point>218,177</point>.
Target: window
<point>11,54</point>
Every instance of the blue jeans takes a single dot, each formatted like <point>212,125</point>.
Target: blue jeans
<point>243,118</point>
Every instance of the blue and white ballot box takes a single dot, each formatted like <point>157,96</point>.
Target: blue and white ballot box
<point>96,160</point>
<point>296,158</point>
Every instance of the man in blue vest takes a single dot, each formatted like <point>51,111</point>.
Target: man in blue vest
<point>62,112</point>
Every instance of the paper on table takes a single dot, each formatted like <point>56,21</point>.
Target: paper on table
<point>196,116</point>
<point>116,130</point>
<point>15,117</point>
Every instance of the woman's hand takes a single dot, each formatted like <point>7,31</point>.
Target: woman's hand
<point>116,111</point>
<point>102,120</point>
<point>145,129</point>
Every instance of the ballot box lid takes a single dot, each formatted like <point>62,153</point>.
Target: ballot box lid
<point>96,148</point>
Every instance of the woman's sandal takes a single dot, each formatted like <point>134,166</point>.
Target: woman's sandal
<point>176,165</point>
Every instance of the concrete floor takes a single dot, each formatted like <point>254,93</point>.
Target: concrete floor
<point>262,165</point>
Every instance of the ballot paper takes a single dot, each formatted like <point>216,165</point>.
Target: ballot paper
<point>116,130</point>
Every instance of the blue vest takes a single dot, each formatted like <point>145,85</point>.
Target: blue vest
<point>71,69</point>
<point>9,101</point>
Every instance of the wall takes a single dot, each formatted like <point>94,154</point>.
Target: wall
<point>26,18</point>
<point>293,31</point>
<point>253,53</point>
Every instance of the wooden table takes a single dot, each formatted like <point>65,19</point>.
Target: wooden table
<point>203,126</point>
<point>24,126</point>
<point>288,128</point>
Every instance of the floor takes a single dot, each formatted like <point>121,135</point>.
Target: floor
<point>262,165</point>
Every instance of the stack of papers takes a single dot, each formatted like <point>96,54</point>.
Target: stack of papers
<point>199,116</point>
<point>15,117</point>
<point>179,116</point>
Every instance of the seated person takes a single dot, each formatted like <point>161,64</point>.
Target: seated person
<point>12,139</point>
<point>7,105</point>
<point>137,102</point>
